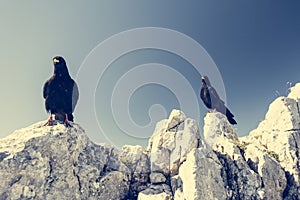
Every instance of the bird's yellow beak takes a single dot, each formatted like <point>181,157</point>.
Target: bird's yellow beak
<point>55,60</point>
<point>203,78</point>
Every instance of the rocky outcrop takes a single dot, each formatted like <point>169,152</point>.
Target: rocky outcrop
<point>246,176</point>
<point>59,163</point>
<point>278,136</point>
<point>56,162</point>
<point>172,140</point>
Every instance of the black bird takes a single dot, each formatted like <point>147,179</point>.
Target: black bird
<point>212,100</point>
<point>60,93</point>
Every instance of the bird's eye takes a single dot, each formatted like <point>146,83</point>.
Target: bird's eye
<point>55,60</point>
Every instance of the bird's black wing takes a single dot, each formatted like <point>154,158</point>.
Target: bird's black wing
<point>215,99</point>
<point>220,105</point>
<point>75,95</point>
<point>204,95</point>
<point>45,89</point>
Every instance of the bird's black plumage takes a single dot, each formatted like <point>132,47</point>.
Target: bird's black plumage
<point>212,100</point>
<point>60,92</point>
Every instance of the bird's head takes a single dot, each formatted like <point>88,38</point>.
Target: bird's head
<point>59,61</point>
<point>60,67</point>
<point>205,80</point>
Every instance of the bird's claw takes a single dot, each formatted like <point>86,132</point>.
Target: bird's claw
<point>213,110</point>
<point>67,124</point>
<point>48,123</point>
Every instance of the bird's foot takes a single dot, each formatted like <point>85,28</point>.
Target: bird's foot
<point>66,123</point>
<point>49,123</point>
<point>212,110</point>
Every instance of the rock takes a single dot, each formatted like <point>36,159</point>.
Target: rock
<point>218,170</point>
<point>159,192</point>
<point>276,140</point>
<point>295,92</point>
<point>131,155</point>
<point>217,127</point>
<point>273,175</point>
<point>59,163</point>
<point>247,172</point>
<point>160,196</point>
<point>279,134</point>
<point>283,115</point>
<point>177,187</point>
<point>114,185</point>
<point>56,162</point>
<point>239,178</point>
<point>156,178</point>
<point>219,134</point>
<point>178,195</point>
<point>175,119</point>
<point>138,162</point>
<point>168,148</point>
<point>172,140</point>
<point>201,176</point>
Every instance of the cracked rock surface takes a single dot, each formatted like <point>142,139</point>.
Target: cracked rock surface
<point>59,163</point>
<point>277,140</point>
<point>56,162</point>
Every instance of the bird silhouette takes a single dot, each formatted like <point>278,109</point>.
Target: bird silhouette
<point>60,93</point>
<point>212,100</point>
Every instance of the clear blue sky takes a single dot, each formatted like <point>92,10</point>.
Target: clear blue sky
<point>255,46</point>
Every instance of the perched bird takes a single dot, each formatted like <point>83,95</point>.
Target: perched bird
<point>212,100</point>
<point>60,93</point>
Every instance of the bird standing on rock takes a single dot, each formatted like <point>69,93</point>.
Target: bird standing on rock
<point>212,100</point>
<point>60,93</point>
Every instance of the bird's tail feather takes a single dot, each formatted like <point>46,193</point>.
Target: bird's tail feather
<point>230,116</point>
<point>70,117</point>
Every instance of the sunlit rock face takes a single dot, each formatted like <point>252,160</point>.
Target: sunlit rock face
<point>55,162</point>
<point>278,136</point>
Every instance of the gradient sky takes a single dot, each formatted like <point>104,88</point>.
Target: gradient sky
<point>255,46</point>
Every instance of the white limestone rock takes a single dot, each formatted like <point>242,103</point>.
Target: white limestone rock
<point>238,177</point>
<point>42,162</point>
<point>56,162</point>
<point>273,175</point>
<point>217,127</point>
<point>172,140</point>
<point>277,140</point>
<point>137,161</point>
<point>131,156</point>
<point>283,115</point>
<point>177,187</point>
<point>179,195</point>
<point>220,135</point>
<point>201,176</point>
<point>156,178</point>
<point>176,118</point>
<point>295,92</point>
<point>114,185</point>
<point>160,196</point>
<point>160,192</point>
<point>279,134</point>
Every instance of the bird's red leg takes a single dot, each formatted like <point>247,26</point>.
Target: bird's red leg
<point>212,110</point>
<point>49,121</point>
<point>67,122</point>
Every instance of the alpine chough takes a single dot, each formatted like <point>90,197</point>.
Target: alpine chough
<point>212,100</point>
<point>60,93</point>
